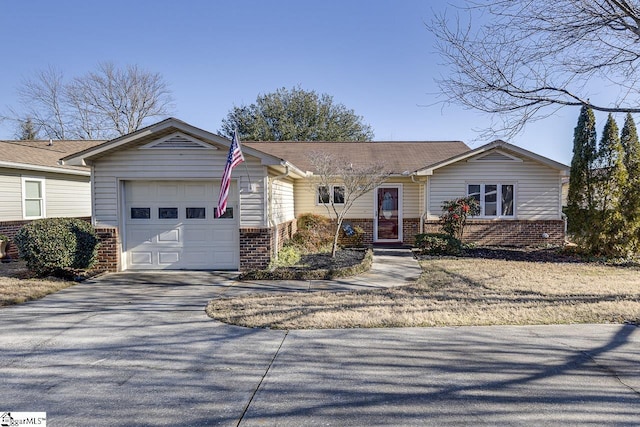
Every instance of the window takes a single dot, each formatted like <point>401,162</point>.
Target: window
<point>168,213</point>
<point>496,200</point>
<point>338,194</point>
<point>33,197</point>
<point>323,195</point>
<point>140,213</point>
<point>196,213</point>
<point>228,213</point>
<point>333,193</point>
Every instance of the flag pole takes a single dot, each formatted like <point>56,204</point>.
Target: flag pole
<point>246,168</point>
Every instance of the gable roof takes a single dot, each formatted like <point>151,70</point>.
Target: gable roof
<point>495,145</point>
<point>42,157</point>
<point>164,129</point>
<point>397,157</point>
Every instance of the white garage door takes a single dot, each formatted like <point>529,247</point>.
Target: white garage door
<point>171,225</point>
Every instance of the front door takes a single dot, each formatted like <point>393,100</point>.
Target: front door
<point>388,219</point>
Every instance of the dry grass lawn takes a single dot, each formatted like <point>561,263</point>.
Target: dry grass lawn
<point>17,285</point>
<point>461,291</point>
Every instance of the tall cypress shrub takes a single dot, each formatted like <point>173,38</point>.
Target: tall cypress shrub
<point>608,233</point>
<point>580,203</point>
<point>630,203</point>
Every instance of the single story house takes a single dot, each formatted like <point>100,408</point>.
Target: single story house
<point>34,185</point>
<point>154,194</point>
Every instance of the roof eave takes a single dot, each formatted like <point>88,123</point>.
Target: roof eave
<point>37,168</point>
<point>563,169</point>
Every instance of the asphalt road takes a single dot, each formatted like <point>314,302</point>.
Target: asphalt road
<point>138,350</point>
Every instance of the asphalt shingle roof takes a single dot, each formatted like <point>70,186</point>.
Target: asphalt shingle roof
<point>397,157</point>
<point>40,153</point>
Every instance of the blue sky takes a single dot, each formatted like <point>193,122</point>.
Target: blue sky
<point>375,57</point>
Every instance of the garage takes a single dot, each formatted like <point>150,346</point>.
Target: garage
<point>171,225</point>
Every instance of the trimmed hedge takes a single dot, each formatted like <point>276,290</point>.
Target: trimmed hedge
<point>438,244</point>
<point>53,246</point>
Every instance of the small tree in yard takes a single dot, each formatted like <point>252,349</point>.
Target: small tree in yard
<point>455,213</point>
<point>354,182</point>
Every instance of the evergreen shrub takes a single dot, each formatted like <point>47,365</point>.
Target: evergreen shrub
<point>438,244</point>
<point>52,246</point>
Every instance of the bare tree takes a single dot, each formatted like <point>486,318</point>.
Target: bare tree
<point>101,104</point>
<point>355,182</point>
<point>527,59</point>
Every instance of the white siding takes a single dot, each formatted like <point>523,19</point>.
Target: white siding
<point>412,193</point>
<point>282,200</point>
<point>70,197</point>
<point>153,164</point>
<point>10,195</point>
<point>65,195</point>
<point>537,186</point>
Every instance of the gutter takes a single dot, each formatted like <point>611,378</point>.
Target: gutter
<point>52,169</point>
<point>423,215</point>
<point>272,221</point>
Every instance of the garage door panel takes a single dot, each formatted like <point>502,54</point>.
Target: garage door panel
<point>167,191</point>
<point>139,236</point>
<point>165,257</point>
<point>141,257</point>
<point>142,191</point>
<point>170,236</point>
<point>224,236</point>
<point>166,240</point>
<point>197,191</point>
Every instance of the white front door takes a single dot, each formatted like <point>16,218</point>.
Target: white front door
<point>387,224</point>
<point>171,225</point>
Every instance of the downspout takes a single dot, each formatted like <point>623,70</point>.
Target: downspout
<point>423,215</point>
<point>272,220</point>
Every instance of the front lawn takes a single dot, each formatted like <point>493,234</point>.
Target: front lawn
<point>456,291</point>
<point>18,285</point>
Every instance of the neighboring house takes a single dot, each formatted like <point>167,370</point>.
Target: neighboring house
<point>34,185</point>
<point>155,192</point>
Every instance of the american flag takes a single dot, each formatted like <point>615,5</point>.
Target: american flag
<point>234,158</point>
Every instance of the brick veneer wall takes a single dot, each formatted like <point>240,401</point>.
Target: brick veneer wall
<point>365,224</point>
<point>410,227</point>
<point>255,248</point>
<point>108,251</point>
<point>9,229</point>
<point>286,230</point>
<point>508,232</point>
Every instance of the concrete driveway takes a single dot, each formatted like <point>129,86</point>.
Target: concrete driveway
<point>138,350</point>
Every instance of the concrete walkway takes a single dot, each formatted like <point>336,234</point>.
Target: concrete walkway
<point>137,349</point>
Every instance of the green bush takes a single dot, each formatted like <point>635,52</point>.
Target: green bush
<point>52,246</point>
<point>315,233</point>
<point>287,256</point>
<point>438,244</point>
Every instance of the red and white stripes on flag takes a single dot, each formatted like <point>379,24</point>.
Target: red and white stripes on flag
<point>234,158</point>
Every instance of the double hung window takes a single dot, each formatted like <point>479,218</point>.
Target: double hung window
<point>334,193</point>
<point>33,197</point>
<point>496,200</point>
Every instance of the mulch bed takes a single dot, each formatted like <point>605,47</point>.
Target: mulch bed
<point>525,254</point>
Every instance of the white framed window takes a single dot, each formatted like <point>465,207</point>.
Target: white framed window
<point>497,200</point>
<point>327,194</point>
<point>33,200</point>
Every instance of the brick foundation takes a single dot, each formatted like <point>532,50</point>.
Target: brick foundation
<point>410,227</point>
<point>508,233</point>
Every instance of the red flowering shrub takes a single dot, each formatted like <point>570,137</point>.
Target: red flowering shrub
<point>455,215</point>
